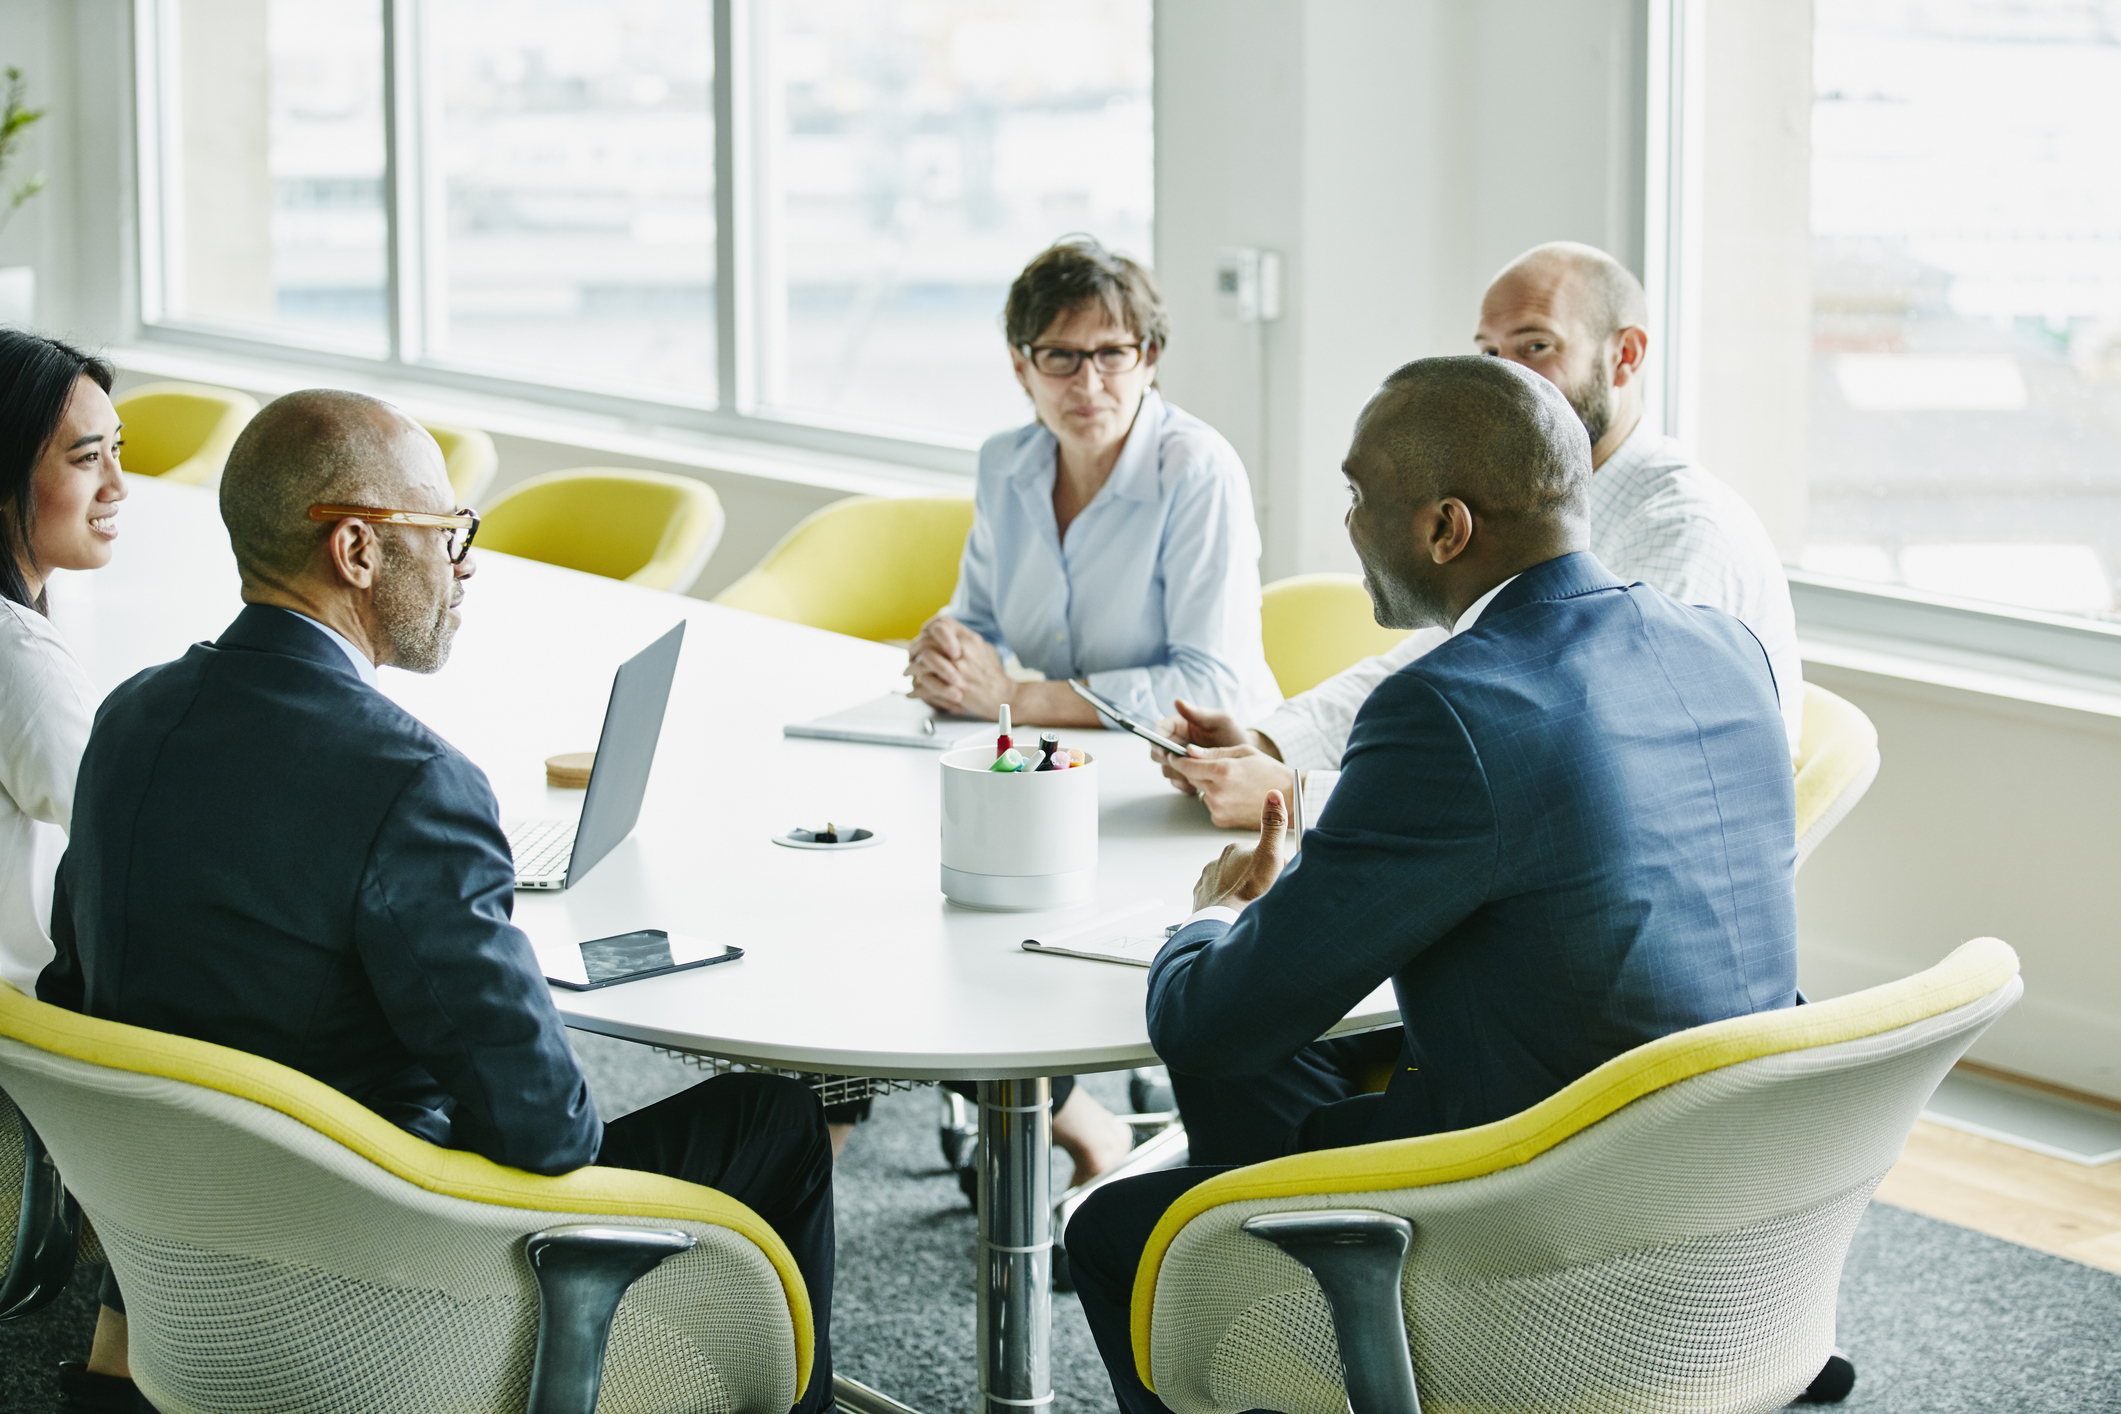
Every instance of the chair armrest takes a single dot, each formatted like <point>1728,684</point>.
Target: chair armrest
<point>47,1230</point>
<point>1357,1256</point>
<point>583,1272</point>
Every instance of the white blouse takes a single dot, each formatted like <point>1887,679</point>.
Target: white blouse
<point>46,708</point>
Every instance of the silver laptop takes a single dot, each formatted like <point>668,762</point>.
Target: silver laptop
<point>555,854</point>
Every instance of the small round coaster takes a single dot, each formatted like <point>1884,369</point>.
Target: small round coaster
<point>570,770</point>
<point>842,837</point>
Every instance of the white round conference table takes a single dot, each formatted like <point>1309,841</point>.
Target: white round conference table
<point>854,963</point>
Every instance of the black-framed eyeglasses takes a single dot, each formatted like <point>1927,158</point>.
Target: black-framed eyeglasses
<point>1056,362</point>
<point>462,525</point>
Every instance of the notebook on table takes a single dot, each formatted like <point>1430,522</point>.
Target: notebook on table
<point>894,720</point>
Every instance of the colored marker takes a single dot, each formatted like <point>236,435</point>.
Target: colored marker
<point>1010,760</point>
<point>1047,745</point>
<point>1002,742</point>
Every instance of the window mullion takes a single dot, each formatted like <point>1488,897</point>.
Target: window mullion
<point>733,294</point>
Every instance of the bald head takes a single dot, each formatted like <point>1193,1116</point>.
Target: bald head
<point>1494,435</point>
<point>1463,472</point>
<point>320,446</point>
<point>1577,317</point>
<point>1597,290</point>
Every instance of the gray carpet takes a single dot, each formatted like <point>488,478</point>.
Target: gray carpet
<point>1938,1319</point>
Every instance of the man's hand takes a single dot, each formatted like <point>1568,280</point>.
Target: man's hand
<point>1234,782</point>
<point>1199,727</point>
<point>1247,765</point>
<point>1245,871</point>
<point>955,670</point>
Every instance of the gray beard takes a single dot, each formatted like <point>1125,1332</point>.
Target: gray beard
<point>1403,605</point>
<point>418,629</point>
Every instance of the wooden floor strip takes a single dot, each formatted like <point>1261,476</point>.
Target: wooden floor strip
<point>2048,1204</point>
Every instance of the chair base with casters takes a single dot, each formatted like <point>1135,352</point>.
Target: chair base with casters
<point>287,1248</point>
<point>1666,1232</point>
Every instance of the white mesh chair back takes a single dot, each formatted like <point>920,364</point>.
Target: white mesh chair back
<point>269,1267</point>
<point>1680,1254</point>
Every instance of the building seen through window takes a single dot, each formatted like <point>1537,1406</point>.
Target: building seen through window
<point>558,188</point>
<point>1965,419</point>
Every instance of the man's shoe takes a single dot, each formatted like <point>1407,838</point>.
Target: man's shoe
<point>83,1393</point>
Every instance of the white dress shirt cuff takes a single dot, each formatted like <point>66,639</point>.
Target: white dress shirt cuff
<point>1297,737</point>
<point>1216,911</point>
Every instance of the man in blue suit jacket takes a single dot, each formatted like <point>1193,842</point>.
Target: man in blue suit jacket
<point>1566,831</point>
<point>270,854</point>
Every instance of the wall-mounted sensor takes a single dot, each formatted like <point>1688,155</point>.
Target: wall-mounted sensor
<point>1248,284</point>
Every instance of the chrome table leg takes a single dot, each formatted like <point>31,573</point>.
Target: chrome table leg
<point>1016,1246</point>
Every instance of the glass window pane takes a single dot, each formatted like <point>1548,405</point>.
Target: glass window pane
<point>915,158</point>
<point>273,167</point>
<point>576,143</point>
<point>1966,218</point>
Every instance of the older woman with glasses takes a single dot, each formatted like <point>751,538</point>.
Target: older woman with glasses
<point>1112,543</point>
<point>1113,539</point>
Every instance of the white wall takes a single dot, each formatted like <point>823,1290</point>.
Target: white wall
<point>1397,153</point>
<point>1989,817</point>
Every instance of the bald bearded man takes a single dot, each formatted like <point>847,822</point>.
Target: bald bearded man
<point>1576,316</point>
<point>270,854</point>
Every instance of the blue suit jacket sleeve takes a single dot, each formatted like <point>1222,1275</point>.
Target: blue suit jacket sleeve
<point>461,984</point>
<point>1405,849</point>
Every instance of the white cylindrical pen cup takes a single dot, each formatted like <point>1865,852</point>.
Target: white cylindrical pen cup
<point>1017,840</point>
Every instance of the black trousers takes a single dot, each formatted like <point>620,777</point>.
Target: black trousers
<point>1248,1119</point>
<point>1106,1237</point>
<point>761,1140</point>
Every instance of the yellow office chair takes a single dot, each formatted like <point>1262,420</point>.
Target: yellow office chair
<point>867,567</point>
<point>645,527</point>
<point>1665,1233</point>
<point>1314,625</point>
<point>280,1246</point>
<point>181,432</point>
<point>1837,759</point>
<point>469,456</point>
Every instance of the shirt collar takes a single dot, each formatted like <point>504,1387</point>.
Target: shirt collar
<point>360,660</point>
<point>1134,475</point>
<point>1473,611</point>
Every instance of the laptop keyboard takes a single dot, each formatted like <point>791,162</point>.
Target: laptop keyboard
<point>541,849</point>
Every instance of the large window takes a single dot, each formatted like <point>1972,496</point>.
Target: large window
<point>539,196</point>
<point>1965,418</point>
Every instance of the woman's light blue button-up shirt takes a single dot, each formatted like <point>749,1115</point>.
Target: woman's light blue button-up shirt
<point>1155,594</point>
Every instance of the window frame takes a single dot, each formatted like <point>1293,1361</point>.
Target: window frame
<point>1828,608</point>
<point>414,215</point>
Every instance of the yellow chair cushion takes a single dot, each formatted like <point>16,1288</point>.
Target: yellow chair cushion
<point>181,432</point>
<point>468,456</point>
<point>645,527</point>
<point>1315,625</point>
<point>609,1191</point>
<point>1970,972</point>
<point>1838,744</point>
<point>867,567</point>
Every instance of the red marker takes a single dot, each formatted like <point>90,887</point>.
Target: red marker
<point>1002,742</point>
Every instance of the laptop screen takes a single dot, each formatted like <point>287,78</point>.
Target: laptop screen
<point>619,780</point>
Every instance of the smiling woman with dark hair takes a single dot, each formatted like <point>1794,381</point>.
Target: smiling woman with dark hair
<point>59,494</point>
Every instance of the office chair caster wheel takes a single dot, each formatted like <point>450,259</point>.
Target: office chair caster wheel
<point>1833,1382</point>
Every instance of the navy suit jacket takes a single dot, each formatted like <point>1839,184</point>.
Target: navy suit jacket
<point>269,854</point>
<point>1565,832</point>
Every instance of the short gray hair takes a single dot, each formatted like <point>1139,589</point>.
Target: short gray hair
<point>318,446</point>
